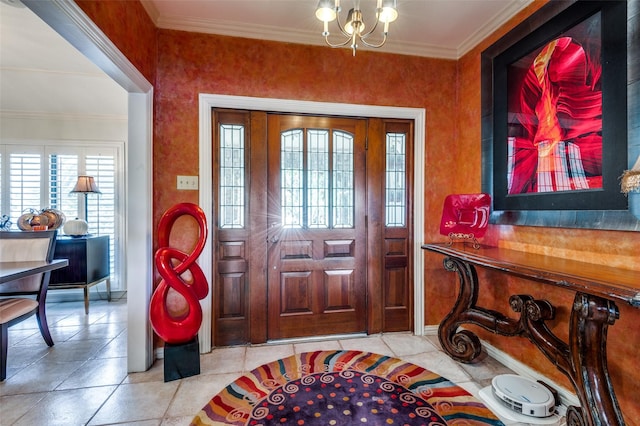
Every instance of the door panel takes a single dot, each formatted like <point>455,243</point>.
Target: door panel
<point>398,227</point>
<point>239,287</point>
<point>317,251</point>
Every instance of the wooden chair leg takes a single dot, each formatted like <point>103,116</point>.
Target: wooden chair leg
<point>109,289</point>
<point>41,317</point>
<point>4,343</point>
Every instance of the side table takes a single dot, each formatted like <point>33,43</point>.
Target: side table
<point>89,264</point>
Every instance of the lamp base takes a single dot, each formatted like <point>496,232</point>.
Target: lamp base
<point>181,360</point>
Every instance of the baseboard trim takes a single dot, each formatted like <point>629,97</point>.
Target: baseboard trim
<point>567,397</point>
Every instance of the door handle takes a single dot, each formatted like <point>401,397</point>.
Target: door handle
<point>274,238</point>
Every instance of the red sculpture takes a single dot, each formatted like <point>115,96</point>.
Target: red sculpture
<point>181,327</point>
<point>465,215</point>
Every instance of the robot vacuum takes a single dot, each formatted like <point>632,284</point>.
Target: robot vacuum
<point>523,396</point>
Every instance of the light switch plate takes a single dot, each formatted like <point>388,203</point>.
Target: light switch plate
<point>188,182</point>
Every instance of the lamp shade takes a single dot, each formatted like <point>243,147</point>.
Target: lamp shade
<point>389,11</point>
<point>86,185</point>
<point>326,11</point>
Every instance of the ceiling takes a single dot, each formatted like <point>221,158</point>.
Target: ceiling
<point>40,73</point>
<point>434,28</point>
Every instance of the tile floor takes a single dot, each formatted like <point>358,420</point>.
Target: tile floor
<point>83,379</point>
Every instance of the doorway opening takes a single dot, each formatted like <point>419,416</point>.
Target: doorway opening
<point>294,246</point>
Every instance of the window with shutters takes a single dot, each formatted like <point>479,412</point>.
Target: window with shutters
<point>37,177</point>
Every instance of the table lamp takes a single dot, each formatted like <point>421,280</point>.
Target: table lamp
<point>85,185</point>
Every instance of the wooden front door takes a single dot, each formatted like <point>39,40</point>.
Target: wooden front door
<point>316,231</point>
<point>312,226</point>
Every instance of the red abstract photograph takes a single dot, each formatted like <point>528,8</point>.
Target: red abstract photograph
<point>555,114</point>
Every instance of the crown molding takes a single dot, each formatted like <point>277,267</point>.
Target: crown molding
<point>287,35</point>
<point>491,26</point>
<point>43,115</point>
<point>152,11</point>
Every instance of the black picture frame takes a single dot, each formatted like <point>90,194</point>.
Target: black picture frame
<point>603,208</point>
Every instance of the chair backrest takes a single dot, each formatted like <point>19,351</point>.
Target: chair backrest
<point>26,246</point>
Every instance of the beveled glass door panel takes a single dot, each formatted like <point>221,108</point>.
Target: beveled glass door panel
<point>317,238</point>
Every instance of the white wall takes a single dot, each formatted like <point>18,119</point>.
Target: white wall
<point>73,128</point>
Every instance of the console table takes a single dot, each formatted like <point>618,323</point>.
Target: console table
<point>583,359</point>
<point>89,264</point>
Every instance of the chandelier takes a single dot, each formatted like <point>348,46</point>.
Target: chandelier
<point>354,27</point>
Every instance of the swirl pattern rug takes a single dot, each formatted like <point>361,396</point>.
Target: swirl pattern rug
<point>343,388</point>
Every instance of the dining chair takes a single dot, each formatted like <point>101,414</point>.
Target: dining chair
<point>22,298</point>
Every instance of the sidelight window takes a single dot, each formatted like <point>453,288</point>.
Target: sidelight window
<point>232,176</point>
<point>396,177</point>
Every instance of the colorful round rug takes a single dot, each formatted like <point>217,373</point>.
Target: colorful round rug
<point>343,388</point>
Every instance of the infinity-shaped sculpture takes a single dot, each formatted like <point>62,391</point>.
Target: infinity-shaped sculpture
<point>183,327</point>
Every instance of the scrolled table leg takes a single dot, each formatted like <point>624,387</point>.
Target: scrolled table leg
<point>590,318</point>
<point>574,416</point>
<point>463,346</point>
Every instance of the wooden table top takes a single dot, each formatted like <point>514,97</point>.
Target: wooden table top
<point>10,271</point>
<point>600,280</point>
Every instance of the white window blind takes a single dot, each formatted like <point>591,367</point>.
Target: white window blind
<point>37,177</point>
<point>25,175</point>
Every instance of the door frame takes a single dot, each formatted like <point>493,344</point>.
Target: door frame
<point>69,20</point>
<point>207,102</point>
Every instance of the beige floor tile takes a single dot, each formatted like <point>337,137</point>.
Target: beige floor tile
<point>177,421</point>
<point>403,344</point>
<point>259,355</point>
<point>116,348</point>
<point>69,407</point>
<point>223,360</point>
<point>78,350</point>
<point>327,345</point>
<point>485,367</point>
<point>13,407</point>
<point>41,376</point>
<point>97,372</point>
<point>154,374</point>
<point>19,336</point>
<point>107,330</point>
<point>136,402</point>
<point>373,344</point>
<point>196,391</point>
<point>22,356</point>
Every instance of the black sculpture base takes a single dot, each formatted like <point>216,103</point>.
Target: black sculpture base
<point>181,360</point>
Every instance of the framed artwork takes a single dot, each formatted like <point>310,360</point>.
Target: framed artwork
<point>554,97</point>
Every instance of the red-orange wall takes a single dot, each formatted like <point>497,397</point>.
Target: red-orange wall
<point>128,26</point>
<point>620,249</point>
<point>190,63</point>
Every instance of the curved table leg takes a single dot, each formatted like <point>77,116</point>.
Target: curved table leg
<point>462,346</point>
<point>590,318</point>
<point>583,360</point>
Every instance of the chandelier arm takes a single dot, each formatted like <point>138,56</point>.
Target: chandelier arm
<point>326,39</point>
<point>372,29</point>
<point>384,39</point>
<point>342,30</point>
